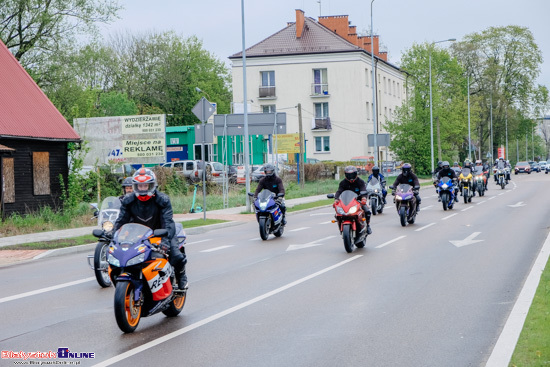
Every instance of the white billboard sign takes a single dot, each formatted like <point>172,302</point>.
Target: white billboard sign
<point>123,139</point>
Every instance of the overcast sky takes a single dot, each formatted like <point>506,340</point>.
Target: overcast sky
<point>400,23</point>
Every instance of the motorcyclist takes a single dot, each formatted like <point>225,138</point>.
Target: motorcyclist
<point>407,177</point>
<point>127,187</point>
<point>153,209</point>
<point>356,184</point>
<point>274,184</point>
<point>467,164</point>
<point>376,174</point>
<point>479,163</point>
<point>446,171</point>
<point>456,168</point>
<point>501,164</point>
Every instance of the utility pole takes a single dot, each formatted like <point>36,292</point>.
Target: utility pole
<point>438,142</point>
<point>301,157</point>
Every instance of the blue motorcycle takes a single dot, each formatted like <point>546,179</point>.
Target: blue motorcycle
<point>446,188</point>
<point>268,214</point>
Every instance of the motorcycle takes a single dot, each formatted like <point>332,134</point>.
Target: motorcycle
<point>375,196</point>
<point>480,180</point>
<point>144,279</point>
<point>351,219</point>
<point>501,177</point>
<point>268,214</point>
<point>405,203</point>
<point>446,189</point>
<point>106,217</point>
<point>466,184</point>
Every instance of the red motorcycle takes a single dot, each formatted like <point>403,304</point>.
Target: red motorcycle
<point>351,219</point>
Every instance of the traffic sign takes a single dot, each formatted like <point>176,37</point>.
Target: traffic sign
<point>203,109</point>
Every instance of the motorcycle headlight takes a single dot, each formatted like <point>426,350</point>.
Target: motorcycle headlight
<point>263,206</point>
<point>341,211</point>
<point>113,260</point>
<point>397,197</point>
<point>353,210</point>
<point>136,260</point>
<point>107,226</point>
<point>444,186</point>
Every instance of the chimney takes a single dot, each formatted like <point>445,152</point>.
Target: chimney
<point>299,23</point>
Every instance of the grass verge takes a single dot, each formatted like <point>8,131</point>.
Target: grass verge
<point>314,204</point>
<point>533,347</point>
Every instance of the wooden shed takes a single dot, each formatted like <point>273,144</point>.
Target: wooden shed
<point>34,139</point>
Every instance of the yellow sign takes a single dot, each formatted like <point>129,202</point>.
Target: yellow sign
<point>288,143</point>
<point>141,148</point>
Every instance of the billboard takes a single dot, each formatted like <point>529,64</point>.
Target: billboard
<point>123,139</point>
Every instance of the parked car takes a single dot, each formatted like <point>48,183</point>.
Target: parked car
<point>363,164</point>
<point>312,161</point>
<point>258,173</point>
<point>522,167</point>
<point>190,169</point>
<point>542,165</point>
<point>535,167</point>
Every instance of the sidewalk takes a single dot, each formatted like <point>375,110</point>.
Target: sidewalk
<point>232,215</point>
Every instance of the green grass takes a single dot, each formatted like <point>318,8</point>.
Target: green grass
<point>533,347</point>
<point>50,245</point>
<point>314,204</point>
<point>201,222</point>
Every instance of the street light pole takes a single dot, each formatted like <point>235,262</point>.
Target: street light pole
<point>374,128</point>
<point>245,99</point>
<point>469,132</point>
<point>431,109</point>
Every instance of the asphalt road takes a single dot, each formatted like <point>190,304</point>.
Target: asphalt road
<point>410,298</point>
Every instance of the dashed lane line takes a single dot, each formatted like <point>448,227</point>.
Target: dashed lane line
<point>390,242</point>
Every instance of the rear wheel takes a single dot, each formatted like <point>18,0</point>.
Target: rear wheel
<point>347,237</point>
<point>264,228</point>
<point>279,232</point>
<point>101,267</point>
<point>176,305</point>
<point>127,310</point>
<point>403,216</point>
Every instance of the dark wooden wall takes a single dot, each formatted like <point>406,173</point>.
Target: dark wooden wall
<point>25,200</point>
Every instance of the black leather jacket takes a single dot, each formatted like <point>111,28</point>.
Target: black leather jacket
<point>271,183</point>
<point>356,186</point>
<point>154,213</point>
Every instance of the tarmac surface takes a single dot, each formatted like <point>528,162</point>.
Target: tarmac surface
<point>232,215</point>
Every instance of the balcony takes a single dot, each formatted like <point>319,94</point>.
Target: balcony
<point>321,124</point>
<point>319,90</point>
<point>267,92</point>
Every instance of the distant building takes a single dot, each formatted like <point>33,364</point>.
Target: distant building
<point>33,142</point>
<point>326,67</point>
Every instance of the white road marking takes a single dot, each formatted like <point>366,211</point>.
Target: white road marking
<point>449,216</point>
<point>519,204</point>
<point>314,214</point>
<point>467,241</point>
<point>506,343</point>
<point>492,197</point>
<point>326,222</point>
<point>502,193</point>
<point>194,242</point>
<point>44,290</point>
<point>390,242</point>
<point>468,208</point>
<point>423,228</point>
<point>217,248</point>
<point>427,207</point>
<point>299,229</point>
<point>309,244</point>
<point>481,202</point>
<point>255,239</point>
<point>217,316</point>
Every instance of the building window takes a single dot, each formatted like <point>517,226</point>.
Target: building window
<point>321,120</point>
<point>269,108</point>
<point>320,82</point>
<point>398,91</point>
<point>41,173</point>
<point>267,89</point>
<point>385,90</point>
<point>367,77</point>
<point>322,144</point>
<point>8,179</point>
<point>368,111</point>
<point>393,89</point>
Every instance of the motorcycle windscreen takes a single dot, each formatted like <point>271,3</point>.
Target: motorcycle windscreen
<point>465,172</point>
<point>347,197</point>
<point>158,274</point>
<point>404,188</point>
<point>478,170</point>
<point>445,180</point>
<point>373,184</point>
<point>132,233</point>
<point>265,195</point>
<point>110,208</point>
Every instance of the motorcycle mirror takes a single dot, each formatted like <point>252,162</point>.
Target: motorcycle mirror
<point>250,194</point>
<point>160,232</point>
<point>96,213</point>
<point>363,193</point>
<point>97,233</point>
<point>330,196</point>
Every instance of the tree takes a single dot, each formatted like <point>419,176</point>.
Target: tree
<point>411,128</point>
<point>32,27</point>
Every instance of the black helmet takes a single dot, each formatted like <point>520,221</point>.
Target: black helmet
<point>440,164</point>
<point>375,171</point>
<point>269,170</point>
<point>445,165</point>
<point>127,182</point>
<point>406,169</point>
<point>351,173</point>
<point>455,164</point>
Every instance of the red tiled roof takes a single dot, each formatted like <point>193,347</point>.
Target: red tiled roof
<point>25,111</point>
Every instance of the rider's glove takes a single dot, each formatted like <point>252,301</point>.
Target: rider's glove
<point>164,246</point>
<point>364,201</point>
<point>279,201</point>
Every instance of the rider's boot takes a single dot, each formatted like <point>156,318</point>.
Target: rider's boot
<point>369,230</point>
<point>182,277</point>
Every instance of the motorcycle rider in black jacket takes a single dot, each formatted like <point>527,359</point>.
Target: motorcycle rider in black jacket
<point>446,171</point>
<point>153,209</point>
<point>407,177</point>
<point>357,185</point>
<point>274,184</point>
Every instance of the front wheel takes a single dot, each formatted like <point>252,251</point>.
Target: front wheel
<point>348,238</point>
<point>101,267</point>
<point>465,195</point>
<point>264,228</point>
<point>403,216</point>
<point>127,310</point>
<point>445,201</point>
<point>503,184</point>
<point>373,205</point>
